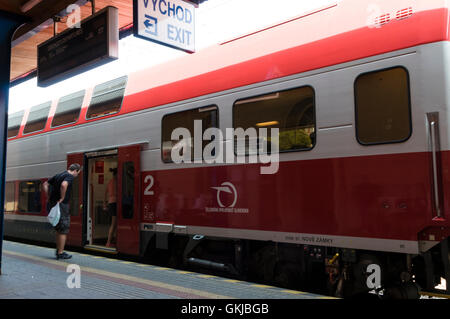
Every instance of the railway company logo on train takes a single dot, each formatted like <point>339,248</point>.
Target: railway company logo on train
<point>250,145</point>
<point>226,187</point>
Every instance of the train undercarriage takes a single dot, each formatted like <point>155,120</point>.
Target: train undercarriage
<point>346,273</point>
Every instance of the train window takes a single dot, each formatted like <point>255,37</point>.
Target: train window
<point>291,111</point>
<point>14,122</point>
<point>30,197</point>
<point>37,118</point>
<point>128,190</point>
<point>207,115</point>
<point>107,98</point>
<point>382,107</point>
<point>10,197</point>
<point>68,109</point>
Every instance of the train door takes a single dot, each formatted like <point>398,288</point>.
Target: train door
<point>101,200</point>
<point>76,203</point>
<point>128,181</point>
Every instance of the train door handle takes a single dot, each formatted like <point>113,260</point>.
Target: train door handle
<point>433,133</point>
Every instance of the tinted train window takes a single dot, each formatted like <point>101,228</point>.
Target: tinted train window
<point>208,117</point>
<point>14,121</point>
<point>68,109</point>
<point>107,98</point>
<point>30,197</point>
<point>10,197</point>
<point>37,118</point>
<point>128,190</point>
<point>291,111</point>
<point>382,102</point>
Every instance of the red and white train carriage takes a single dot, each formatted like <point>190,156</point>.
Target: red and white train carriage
<point>359,93</point>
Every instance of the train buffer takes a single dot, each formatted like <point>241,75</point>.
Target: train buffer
<point>32,272</point>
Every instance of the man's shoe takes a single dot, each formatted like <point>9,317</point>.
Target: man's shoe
<point>63,256</point>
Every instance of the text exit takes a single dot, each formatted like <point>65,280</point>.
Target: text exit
<point>167,22</point>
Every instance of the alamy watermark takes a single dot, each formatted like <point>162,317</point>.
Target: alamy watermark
<point>374,276</point>
<point>74,19</point>
<point>74,279</point>
<point>251,146</point>
<point>374,13</point>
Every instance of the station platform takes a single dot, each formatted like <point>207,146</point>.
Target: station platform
<point>32,272</point>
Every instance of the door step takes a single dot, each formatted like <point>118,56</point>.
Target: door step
<point>101,249</point>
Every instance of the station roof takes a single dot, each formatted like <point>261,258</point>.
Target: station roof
<point>40,25</point>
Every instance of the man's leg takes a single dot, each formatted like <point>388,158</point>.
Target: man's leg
<point>112,230</point>
<point>62,229</point>
<point>60,242</point>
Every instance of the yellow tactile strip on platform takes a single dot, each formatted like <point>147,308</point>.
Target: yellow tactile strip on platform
<point>156,286</point>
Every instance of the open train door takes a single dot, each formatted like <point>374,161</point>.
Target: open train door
<point>76,203</point>
<point>128,183</point>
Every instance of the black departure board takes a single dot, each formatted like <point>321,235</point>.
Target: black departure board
<point>77,50</point>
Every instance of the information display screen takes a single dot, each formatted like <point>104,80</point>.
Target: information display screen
<point>76,50</point>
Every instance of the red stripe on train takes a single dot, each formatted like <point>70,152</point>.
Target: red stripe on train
<point>420,28</point>
<point>383,196</point>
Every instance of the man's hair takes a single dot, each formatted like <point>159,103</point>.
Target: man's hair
<point>75,167</point>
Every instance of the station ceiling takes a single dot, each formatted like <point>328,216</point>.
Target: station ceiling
<point>40,26</point>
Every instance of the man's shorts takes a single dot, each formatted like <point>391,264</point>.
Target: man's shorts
<point>64,221</point>
<point>112,209</point>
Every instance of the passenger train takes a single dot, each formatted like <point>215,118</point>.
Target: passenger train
<point>359,91</point>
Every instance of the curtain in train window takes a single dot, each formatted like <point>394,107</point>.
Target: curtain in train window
<point>37,118</point>
<point>107,98</point>
<point>291,111</point>
<point>382,101</point>
<point>10,197</point>
<point>186,119</point>
<point>128,190</point>
<point>68,109</point>
<point>14,121</point>
<point>30,197</point>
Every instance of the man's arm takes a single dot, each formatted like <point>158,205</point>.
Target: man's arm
<point>106,192</point>
<point>106,198</point>
<point>45,187</point>
<point>46,184</point>
<point>64,186</point>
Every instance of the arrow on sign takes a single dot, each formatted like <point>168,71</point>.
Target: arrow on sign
<point>151,25</point>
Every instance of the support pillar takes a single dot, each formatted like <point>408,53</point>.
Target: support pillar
<point>8,25</point>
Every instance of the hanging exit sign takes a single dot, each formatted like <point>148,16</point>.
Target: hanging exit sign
<point>167,22</point>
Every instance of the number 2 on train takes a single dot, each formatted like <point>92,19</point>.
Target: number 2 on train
<point>149,179</point>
